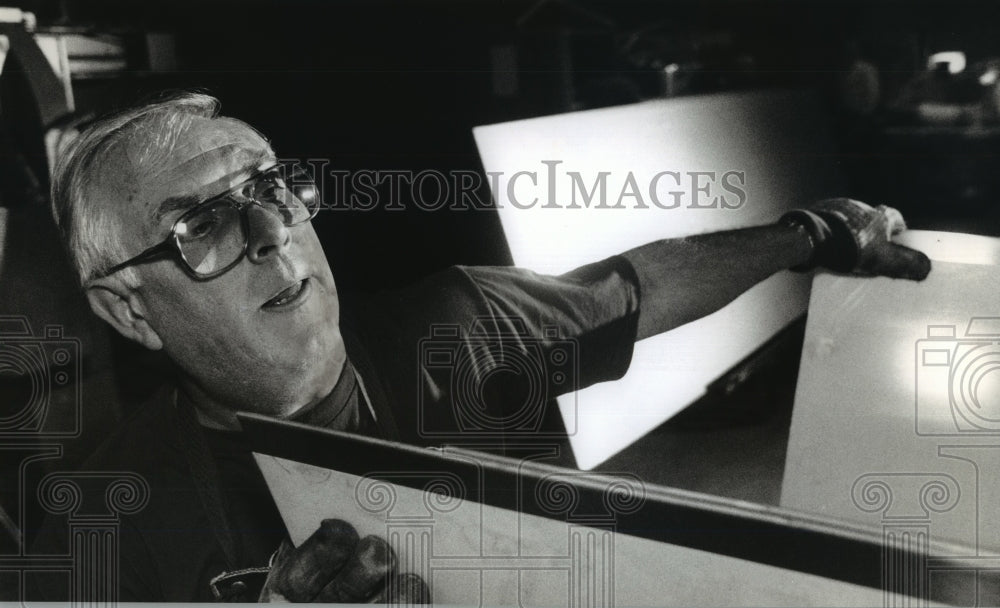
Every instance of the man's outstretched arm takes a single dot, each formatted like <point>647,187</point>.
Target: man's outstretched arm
<point>684,279</point>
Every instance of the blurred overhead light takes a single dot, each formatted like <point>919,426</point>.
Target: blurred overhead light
<point>954,60</point>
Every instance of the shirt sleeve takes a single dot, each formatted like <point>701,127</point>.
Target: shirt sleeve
<point>591,313</point>
<point>477,351</point>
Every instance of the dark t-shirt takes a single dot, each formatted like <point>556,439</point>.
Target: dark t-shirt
<point>427,359</point>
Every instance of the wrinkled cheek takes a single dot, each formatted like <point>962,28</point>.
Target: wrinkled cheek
<point>201,346</point>
<point>329,302</point>
<point>212,356</point>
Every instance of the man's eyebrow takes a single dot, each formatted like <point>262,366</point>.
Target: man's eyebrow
<point>186,201</point>
<point>176,203</point>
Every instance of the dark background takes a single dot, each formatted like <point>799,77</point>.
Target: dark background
<point>387,85</point>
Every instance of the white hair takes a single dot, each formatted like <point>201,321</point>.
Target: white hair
<point>89,224</point>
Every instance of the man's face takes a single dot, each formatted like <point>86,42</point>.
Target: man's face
<point>261,337</point>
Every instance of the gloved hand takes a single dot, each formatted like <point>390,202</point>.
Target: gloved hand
<point>850,236</point>
<point>333,565</point>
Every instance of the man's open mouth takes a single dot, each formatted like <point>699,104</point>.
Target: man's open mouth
<point>288,296</point>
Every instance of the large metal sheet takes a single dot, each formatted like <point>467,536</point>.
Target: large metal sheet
<point>897,408</point>
<point>773,145</point>
<point>496,531</point>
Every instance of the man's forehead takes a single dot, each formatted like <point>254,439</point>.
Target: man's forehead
<point>206,155</point>
<point>206,141</point>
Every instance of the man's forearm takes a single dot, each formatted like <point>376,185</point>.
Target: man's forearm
<point>684,279</point>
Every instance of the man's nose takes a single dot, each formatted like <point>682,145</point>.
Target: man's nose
<point>268,234</point>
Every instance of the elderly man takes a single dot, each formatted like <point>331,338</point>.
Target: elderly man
<point>189,238</point>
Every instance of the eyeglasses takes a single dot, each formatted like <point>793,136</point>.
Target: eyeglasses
<point>212,237</point>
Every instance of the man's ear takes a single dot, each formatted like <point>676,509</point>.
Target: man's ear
<point>120,307</point>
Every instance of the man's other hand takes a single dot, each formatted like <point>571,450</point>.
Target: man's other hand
<point>850,236</point>
<point>334,565</point>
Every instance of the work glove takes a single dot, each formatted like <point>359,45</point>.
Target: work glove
<point>850,236</point>
<point>334,566</point>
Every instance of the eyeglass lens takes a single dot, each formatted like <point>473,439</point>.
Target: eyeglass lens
<point>214,237</point>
